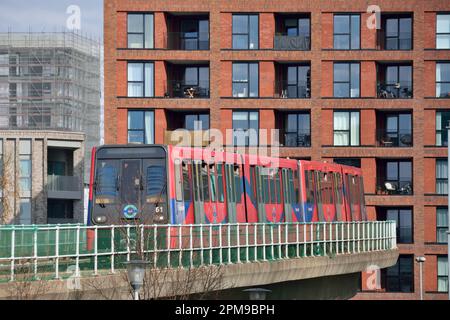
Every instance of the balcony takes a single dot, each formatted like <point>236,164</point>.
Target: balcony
<point>401,41</point>
<point>289,90</point>
<point>403,90</point>
<point>189,41</point>
<point>394,177</point>
<point>392,139</point>
<point>298,139</point>
<point>185,138</point>
<point>394,187</point>
<point>283,41</point>
<point>182,89</point>
<point>64,187</point>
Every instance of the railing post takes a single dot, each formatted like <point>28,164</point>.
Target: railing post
<point>336,236</point>
<point>155,246</point>
<point>297,240</point>
<point>304,239</point>
<point>128,243</point>
<point>221,243</point>
<point>246,243</point>
<point>238,242</point>
<point>35,252</point>
<point>180,246</point>
<point>169,240</point>
<point>13,245</point>
<point>324,237</point>
<point>95,251</point>
<point>210,245</point>
<point>112,249</point>
<point>191,246</point>
<point>255,241</point>
<point>229,243</point>
<point>280,244</point>
<point>57,252</point>
<point>77,259</point>
<point>201,245</point>
<point>264,242</point>
<point>287,240</point>
<point>312,238</point>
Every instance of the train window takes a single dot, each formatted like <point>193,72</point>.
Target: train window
<point>212,182</point>
<point>156,183</point>
<point>130,181</point>
<point>265,181</point>
<point>318,186</point>
<point>106,182</point>
<point>271,178</point>
<point>259,185</point>
<point>237,184</point>
<point>178,181</point>
<point>186,182</point>
<point>252,181</point>
<point>220,194</point>
<point>205,185</point>
<point>296,186</point>
<point>338,188</point>
<point>277,186</point>
<point>326,183</point>
<point>196,181</point>
<point>309,186</point>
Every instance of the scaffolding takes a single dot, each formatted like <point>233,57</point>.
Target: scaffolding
<point>51,81</point>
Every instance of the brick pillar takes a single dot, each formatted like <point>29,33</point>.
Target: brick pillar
<point>326,127</point>
<point>160,78</point>
<point>39,200</point>
<point>160,30</point>
<point>122,126</point>
<point>429,30</point>
<point>327,79</point>
<point>429,81</point>
<point>368,127</point>
<point>121,76</point>
<point>368,36</point>
<point>160,126</point>
<point>327,30</point>
<point>368,79</point>
<point>226,30</point>
<point>267,123</point>
<point>266,78</point>
<point>266,30</point>
<point>226,79</point>
<point>226,124</point>
<point>122,30</point>
<point>429,130</point>
<point>430,227</point>
<point>430,176</point>
<point>430,274</point>
<point>368,166</point>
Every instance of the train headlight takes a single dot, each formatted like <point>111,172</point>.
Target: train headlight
<point>101,219</point>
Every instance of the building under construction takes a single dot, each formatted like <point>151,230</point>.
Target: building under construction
<point>50,100</point>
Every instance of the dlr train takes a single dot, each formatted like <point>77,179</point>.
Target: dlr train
<point>156,184</point>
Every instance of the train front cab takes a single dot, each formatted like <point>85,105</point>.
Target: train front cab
<point>322,192</point>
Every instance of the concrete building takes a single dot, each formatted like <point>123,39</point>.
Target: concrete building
<point>336,87</point>
<point>49,122</point>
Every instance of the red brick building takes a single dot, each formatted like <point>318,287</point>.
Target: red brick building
<point>336,88</point>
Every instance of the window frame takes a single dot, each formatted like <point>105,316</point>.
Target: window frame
<point>440,179</point>
<point>144,130</point>
<point>248,112</point>
<point>440,276</point>
<point>442,33</point>
<point>248,82</point>
<point>248,15</point>
<point>349,34</point>
<point>441,227</point>
<point>349,112</point>
<point>143,82</point>
<point>441,82</point>
<point>443,131</point>
<point>399,278</point>
<point>144,31</point>
<point>349,63</point>
<point>298,130</point>
<point>398,18</point>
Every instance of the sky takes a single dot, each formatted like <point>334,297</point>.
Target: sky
<point>51,15</point>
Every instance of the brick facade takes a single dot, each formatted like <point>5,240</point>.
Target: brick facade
<point>321,105</point>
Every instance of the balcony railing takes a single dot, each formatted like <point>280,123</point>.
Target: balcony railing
<point>402,90</point>
<point>400,138</point>
<point>63,183</point>
<point>298,139</point>
<point>403,41</point>
<point>286,42</point>
<point>188,41</point>
<point>181,89</point>
<point>287,90</point>
<point>394,187</point>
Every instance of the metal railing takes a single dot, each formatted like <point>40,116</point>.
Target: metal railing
<point>402,90</point>
<point>287,42</point>
<point>181,89</point>
<point>55,252</point>
<point>394,187</point>
<point>63,183</point>
<point>188,41</point>
<point>400,41</point>
<point>302,138</point>
<point>286,90</point>
<point>400,138</point>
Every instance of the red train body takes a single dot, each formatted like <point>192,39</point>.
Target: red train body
<point>157,184</point>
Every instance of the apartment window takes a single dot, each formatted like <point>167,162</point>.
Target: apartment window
<point>443,80</point>
<point>399,175</point>
<point>140,79</point>
<point>442,273</point>
<point>398,131</point>
<point>442,121</point>
<point>245,80</point>
<point>403,218</point>
<point>397,82</point>
<point>352,162</point>
<point>443,31</point>
<point>197,77</point>
<point>346,80</point>
<point>298,130</point>
<point>25,167</point>
<point>346,128</point>
<point>298,82</point>
<point>140,31</point>
<point>441,176</point>
<point>347,31</point>
<point>441,224</point>
<point>141,127</point>
<point>195,34</point>
<point>25,211</point>
<point>399,278</point>
<point>245,128</point>
<point>245,31</point>
<point>194,122</point>
<point>398,33</point>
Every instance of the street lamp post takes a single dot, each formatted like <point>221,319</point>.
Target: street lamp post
<point>421,260</point>
<point>136,274</point>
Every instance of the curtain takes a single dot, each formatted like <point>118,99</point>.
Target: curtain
<point>354,128</point>
<point>341,127</point>
<point>442,274</point>
<point>443,27</point>
<point>149,84</point>
<point>148,31</point>
<point>441,173</point>
<point>135,75</point>
<point>438,127</point>
<point>438,78</point>
<point>149,127</point>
